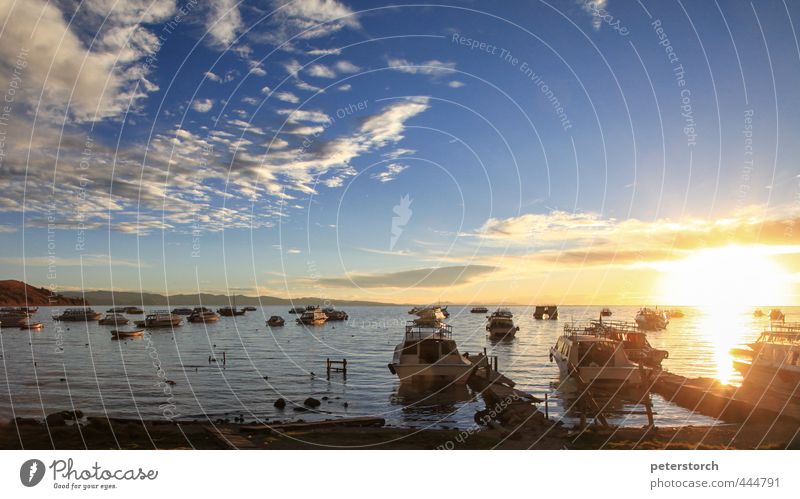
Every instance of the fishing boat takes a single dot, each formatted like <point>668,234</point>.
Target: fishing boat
<point>776,315</point>
<point>595,359</point>
<point>230,311</point>
<point>549,312</point>
<point>159,318</point>
<point>501,324</point>
<point>313,317</point>
<point>758,313</point>
<point>428,353</point>
<point>249,308</point>
<point>13,317</point>
<point>297,310</point>
<point>275,321</point>
<point>335,315</point>
<point>674,313</point>
<point>84,314</point>
<point>117,334</point>
<point>634,340</point>
<point>116,310</point>
<point>113,320</point>
<point>202,315</point>
<point>606,312</point>
<point>34,326</point>
<point>134,310</point>
<point>181,311</point>
<point>479,310</point>
<point>775,364</point>
<point>651,319</point>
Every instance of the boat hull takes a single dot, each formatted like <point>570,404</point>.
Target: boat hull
<point>600,374</point>
<point>432,373</point>
<point>784,380</point>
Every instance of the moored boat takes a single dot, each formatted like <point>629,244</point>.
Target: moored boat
<point>313,317</point>
<point>159,318</point>
<point>113,320</point>
<point>249,308</point>
<point>595,359</point>
<point>335,315</point>
<point>501,324</point>
<point>181,311</point>
<point>651,319</point>
<point>776,315</point>
<point>297,310</point>
<point>606,312</point>
<point>116,310</point>
<point>479,310</point>
<point>275,321</point>
<point>674,313</point>
<point>202,315</point>
<point>34,326</point>
<point>428,353</point>
<point>549,312</point>
<point>634,340</point>
<point>117,334</point>
<point>84,314</point>
<point>758,313</point>
<point>230,312</point>
<point>134,310</point>
<point>775,364</point>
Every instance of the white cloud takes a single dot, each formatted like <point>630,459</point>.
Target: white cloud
<point>223,22</point>
<point>345,88</point>
<point>202,105</point>
<point>594,8</point>
<point>321,71</point>
<point>298,115</point>
<point>346,67</point>
<point>212,76</point>
<point>456,84</point>
<point>432,67</point>
<point>287,97</point>
<point>309,19</point>
<point>390,173</point>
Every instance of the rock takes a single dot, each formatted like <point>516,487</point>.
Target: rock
<point>55,419</point>
<point>280,403</point>
<point>312,402</point>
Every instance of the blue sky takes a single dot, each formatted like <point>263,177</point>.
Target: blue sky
<point>264,146</point>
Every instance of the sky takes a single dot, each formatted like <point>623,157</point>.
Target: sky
<point>568,151</point>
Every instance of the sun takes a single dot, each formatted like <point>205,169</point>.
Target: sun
<point>729,277</point>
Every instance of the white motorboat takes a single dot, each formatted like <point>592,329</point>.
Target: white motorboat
<point>113,320</point>
<point>428,354</point>
<point>501,324</point>
<point>775,365</point>
<point>202,315</point>
<point>596,359</point>
<point>160,318</point>
<point>84,314</point>
<point>651,319</point>
<point>313,317</point>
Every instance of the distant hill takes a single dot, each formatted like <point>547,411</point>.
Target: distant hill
<point>119,298</point>
<point>17,293</point>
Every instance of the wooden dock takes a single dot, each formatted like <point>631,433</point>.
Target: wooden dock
<point>737,404</point>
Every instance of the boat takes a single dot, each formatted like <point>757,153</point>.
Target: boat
<point>549,312</point>
<point>674,313</point>
<point>758,313</point>
<point>181,311</point>
<point>313,317</point>
<point>297,310</point>
<point>606,312</point>
<point>134,310</point>
<point>116,310</point>
<point>275,321</point>
<point>335,315</point>
<point>428,353</point>
<point>501,324</point>
<point>651,319</point>
<point>22,311</point>
<point>445,312</point>
<point>202,315</point>
<point>776,315</point>
<point>35,326</point>
<point>249,308</point>
<point>775,364</point>
<point>84,314</point>
<point>595,359</point>
<point>634,340</point>
<point>117,334</point>
<point>113,320</point>
<point>159,318</point>
<point>479,310</point>
<point>230,311</point>
<point>13,318</point>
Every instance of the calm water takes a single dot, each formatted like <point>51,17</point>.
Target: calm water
<point>122,379</point>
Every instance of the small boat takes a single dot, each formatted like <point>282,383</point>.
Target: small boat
<point>775,364</point>
<point>35,326</point>
<point>501,324</point>
<point>634,340</point>
<point>758,313</point>
<point>313,317</point>
<point>335,315</point>
<point>594,359</point>
<point>230,311</point>
<point>117,310</point>
<point>117,334</point>
<point>606,312</point>
<point>134,310</point>
<point>84,314</point>
<point>651,319</point>
<point>297,310</point>
<point>275,321</point>
<point>113,320</point>
<point>159,318</point>
<point>428,353</point>
<point>181,311</point>
<point>249,308</point>
<point>202,315</point>
<point>776,315</point>
<point>479,310</point>
<point>18,311</point>
<point>549,312</point>
<point>674,313</point>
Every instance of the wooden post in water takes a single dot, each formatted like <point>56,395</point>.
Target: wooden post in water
<point>546,407</point>
<point>224,359</point>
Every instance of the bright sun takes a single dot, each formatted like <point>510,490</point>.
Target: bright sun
<point>734,276</point>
